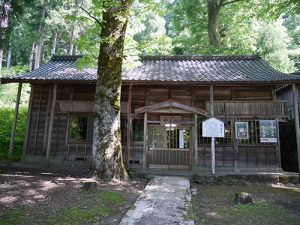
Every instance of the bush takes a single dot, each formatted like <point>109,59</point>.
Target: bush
<point>6,120</point>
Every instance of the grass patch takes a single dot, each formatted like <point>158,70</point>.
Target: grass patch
<point>90,210</point>
<point>12,217</point>
<point>215,205</point>
<point>92,207</point>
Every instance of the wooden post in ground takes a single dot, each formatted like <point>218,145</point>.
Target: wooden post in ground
<point>27,123</point>
<point>128,125</point>
<point>145,141</point>
<point>297,125</point>
<point>14,127</point>
<point>52,111</point>
<point>213,139</point>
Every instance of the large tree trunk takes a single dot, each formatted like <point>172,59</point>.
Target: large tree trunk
<point>107,151</point>
<point>213,22</point>
<point>4,19</point>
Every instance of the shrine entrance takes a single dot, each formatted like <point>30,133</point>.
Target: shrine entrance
<point>170,135</point>
<point>169,146</point>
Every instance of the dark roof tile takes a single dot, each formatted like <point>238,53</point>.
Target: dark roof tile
<point>198,68</point>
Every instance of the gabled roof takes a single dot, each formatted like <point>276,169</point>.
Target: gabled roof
<point>166,69</point>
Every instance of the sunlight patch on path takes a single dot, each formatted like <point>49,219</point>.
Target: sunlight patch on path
<point>164,201</point>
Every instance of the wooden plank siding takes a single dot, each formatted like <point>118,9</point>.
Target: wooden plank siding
<point>231,104</point>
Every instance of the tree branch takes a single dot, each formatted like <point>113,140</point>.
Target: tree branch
<point>230,2</point>
<point>91,16</point>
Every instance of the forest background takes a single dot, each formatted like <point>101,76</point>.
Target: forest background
<point>41,28</point>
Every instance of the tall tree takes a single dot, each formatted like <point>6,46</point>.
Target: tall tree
<point>214,7</point>
<point>4,23</point>
<point>107,150</point>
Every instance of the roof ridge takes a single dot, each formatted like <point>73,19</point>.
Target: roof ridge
<point>199,57</point>
<point>65,57</point>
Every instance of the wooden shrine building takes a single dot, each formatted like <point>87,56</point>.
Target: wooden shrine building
<point>164,102</point>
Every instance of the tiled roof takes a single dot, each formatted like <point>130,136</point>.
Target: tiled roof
<point>210,69</point>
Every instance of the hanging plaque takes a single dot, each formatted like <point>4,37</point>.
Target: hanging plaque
<point>241,130</point>
<point>268,131</point>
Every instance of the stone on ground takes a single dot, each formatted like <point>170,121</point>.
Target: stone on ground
<point>89,185</point>
<point>164,201</point>
<point>243,198</point>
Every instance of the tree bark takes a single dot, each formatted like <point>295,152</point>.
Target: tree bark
<point>30,58</point>
<point>71,41</point>
<point>1,60</point>
<point>54,43</point>
<point>39,45</point>
<point>4,21</point>
<point>107,150</point>
<point>8,58</point>
<point>213,22</point>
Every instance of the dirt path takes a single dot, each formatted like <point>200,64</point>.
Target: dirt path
<point>164,201</point>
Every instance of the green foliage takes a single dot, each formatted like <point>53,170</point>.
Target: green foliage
<point>272,44</point>
<point>155,27</point>
<point>6,119</point>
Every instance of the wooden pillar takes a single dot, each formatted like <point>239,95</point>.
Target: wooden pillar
<point>235,147</point>
<point>145,141</point>
<point>128,125</point>
<point>196,140</point>
<point>278,152</point>
<point>13,130</point>
<point>52,111</point>
<point>47,118</point>
<point>297,125</point>
<point>213,139</point>
<point>27,123</point>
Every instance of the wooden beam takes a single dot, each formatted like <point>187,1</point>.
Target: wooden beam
<point>213,139</point>
<point>297,125</point>
<point>171,103</point>
<point>28,120</point>
<point>128,124</point>
<point>53,103</point>
<point>145,142</point>
<point>14,127</point>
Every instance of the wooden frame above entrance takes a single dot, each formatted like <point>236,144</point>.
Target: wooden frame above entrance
<point>171,106</point>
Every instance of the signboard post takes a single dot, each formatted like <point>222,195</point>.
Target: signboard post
<point>213,128</point>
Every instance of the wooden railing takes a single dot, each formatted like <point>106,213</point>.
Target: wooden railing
<point>78,151</point>
<point>261,108</point>
<point>169,156</point>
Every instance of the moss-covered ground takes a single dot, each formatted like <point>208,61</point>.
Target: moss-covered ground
<point>273,205</point>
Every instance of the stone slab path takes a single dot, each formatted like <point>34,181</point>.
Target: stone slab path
<point>164,201</point>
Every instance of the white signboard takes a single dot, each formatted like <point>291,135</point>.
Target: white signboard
<point>213,128</point>
<point>268,131</point>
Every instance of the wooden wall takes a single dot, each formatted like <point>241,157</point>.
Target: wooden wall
<point>247,156</point>
<point>39,120</point>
